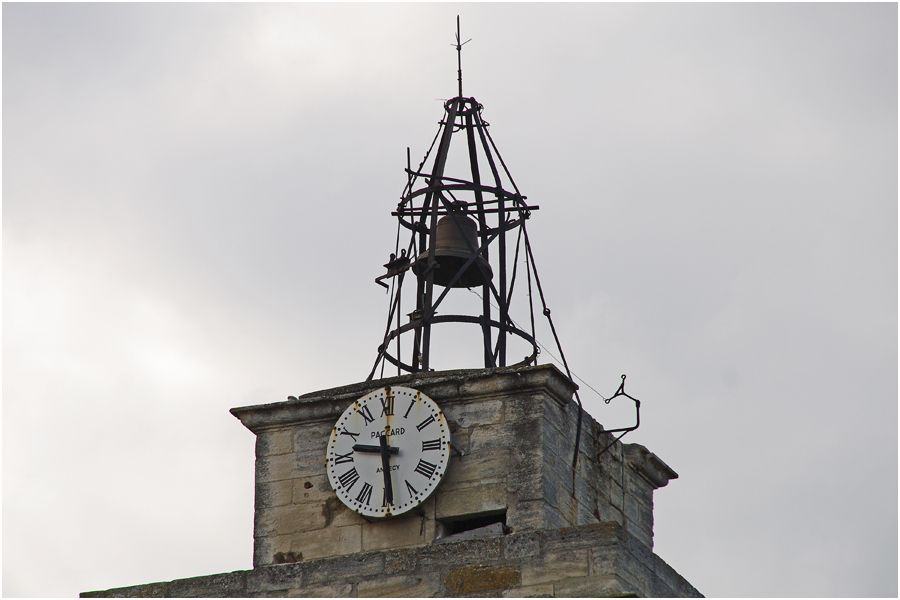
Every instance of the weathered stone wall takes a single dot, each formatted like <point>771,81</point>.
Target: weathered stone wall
<point>612,485</point>
<point>515,428</point>
<point>591,560</point>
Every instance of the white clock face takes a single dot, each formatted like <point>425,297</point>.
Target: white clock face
<point>388,452</point>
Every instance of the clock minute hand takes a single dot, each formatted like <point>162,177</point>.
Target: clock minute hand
<point>386,469</point>
<point>376,449</point>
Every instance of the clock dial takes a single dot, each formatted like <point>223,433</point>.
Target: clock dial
<point>388,451</point>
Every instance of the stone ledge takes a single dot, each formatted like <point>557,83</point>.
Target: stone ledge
<point>491,566</point>
<point>649,465</point>
<point>445,386</point>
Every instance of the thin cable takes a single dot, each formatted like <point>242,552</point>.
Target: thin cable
<point>544,348</point>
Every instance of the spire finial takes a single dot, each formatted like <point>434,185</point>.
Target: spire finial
<point>459,46</point>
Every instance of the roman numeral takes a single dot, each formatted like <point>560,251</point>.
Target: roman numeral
<point>425,468</point>
<point>366,414</point>
<point>425,423</point>
<point>409,408</point>
<point>344,458</point>
<point>411,489</point>
<point>431,445</point>
<point>350,433</point>
<point>349,478</point>
<point>365,494</point>
<point>387,406</point>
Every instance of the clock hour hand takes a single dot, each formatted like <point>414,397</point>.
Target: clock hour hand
<point>386,469</point>
<point>376,449</point>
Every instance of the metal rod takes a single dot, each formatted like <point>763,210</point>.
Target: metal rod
<point>501,218</point>
<point>562,354</point>
<point>482,227</point>
<point>434,196</point>
<point>458,57</point>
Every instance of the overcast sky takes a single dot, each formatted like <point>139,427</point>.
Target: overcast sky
<point>196,199</point>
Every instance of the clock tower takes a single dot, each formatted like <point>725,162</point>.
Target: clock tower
<point>433,480</point>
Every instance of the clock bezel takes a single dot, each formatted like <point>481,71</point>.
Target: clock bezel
<point>388,410</point>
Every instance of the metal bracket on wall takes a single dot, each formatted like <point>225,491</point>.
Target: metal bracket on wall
<point>622,430</point>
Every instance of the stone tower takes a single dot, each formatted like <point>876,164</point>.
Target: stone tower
<point>474,482</point>
<point>508,519</point>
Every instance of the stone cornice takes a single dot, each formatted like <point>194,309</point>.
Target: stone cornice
<point>650,466</point>
<point>620,567</point>
<point>443,386</point>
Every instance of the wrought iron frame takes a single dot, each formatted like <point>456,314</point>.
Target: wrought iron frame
<point>420,207</point>
<point>430,195</point>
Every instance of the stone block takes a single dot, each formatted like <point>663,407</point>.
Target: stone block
<point>311,439</point>
<point>633,512</point>
<point>292,518</point>
<point>607,513</point>
<point>488,438</point>
<point>358,567</point>
<point>224,585</point>
<point>524,407</point>
<point>442,392</point>
<point>544,590</point>
<point>603,586</point>
<point>287,466</point>
<point>523,545</point>
<point>505,385</point>
<point>275,578</point>
<point>275,493</point>
<point>338,515</point>
<point>274,441</point>
<point>437,556</point>
<point>554,519</point>
<point>553,488</point>
<point>409,530</point>
<point>398,586</point>
<point>331,541</point>
<point>312,488</point>
<point>265,548</point>
<point>525,480</point>
<point>472,579</point>
<point>639,516</point>
<point>472,500</point>
<point>523,515</point>
<point>468,414</point>
<point>559,419</point>
<point>556,565</point>
<point>586,514</point>
<point>632,568</point>
<point>605,560</point>
<point>400,561</point>
<point>585,537</point>
<point>639,487</point>
<point>476,467</point>
<point>469,485</point>
<point>149,590</point>
<point>616,496</point>
<point>334,590</point>
<point>586,485</point>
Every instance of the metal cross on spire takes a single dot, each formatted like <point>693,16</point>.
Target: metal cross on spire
<point>459,55</point>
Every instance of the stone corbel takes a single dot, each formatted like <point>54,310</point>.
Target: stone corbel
<point>650,466</point>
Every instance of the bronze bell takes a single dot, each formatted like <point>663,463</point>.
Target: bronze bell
<point>455,238</point>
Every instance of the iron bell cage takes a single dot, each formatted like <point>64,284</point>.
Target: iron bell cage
<point>461,231</point>
<point>458,227</point>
